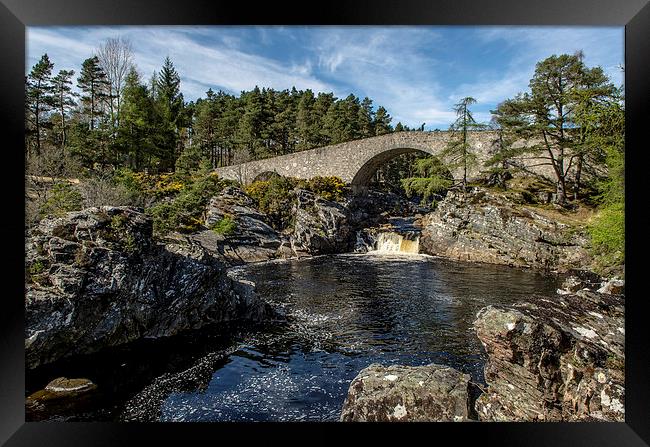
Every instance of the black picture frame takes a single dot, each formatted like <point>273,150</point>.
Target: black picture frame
<point>15,15</point>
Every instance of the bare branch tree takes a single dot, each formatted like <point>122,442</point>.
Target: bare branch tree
<point>116,59</point>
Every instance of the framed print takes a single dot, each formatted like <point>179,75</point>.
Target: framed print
<point>282,218</point>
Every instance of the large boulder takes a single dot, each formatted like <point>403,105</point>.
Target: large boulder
<point>554,360</point>
<point>431,393</point>
<point>485,226</point>
<point>97,278</point>
<point>321,226</point>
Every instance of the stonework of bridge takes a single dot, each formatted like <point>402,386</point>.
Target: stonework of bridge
<point>355,162</point>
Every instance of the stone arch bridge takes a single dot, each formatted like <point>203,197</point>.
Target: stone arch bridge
<point>355,162</point>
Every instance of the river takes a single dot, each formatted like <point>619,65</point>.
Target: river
<point>344,311</point>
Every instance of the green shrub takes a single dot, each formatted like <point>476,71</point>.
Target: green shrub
<point>225,226</point>
<point>37,267</point>
<point>62,198</point>
<point>275,198</point>
<point>426,187</point>
<point>185,211</point>
<point>607,233</point>
<point>329,188</point>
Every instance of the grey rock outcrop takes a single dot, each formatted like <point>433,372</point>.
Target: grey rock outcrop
<point>252,239</point>
<point>321,226</point>
<point>488,227</point>
<point>554,360</point>
<point>431,393</point>
<point>96,278</point>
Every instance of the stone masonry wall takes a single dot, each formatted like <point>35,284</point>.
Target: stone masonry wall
<point>356,161</point>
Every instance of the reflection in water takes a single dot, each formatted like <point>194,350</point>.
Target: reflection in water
<point>345,312</point>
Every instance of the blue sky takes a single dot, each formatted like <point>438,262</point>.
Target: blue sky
<point>417,73</point>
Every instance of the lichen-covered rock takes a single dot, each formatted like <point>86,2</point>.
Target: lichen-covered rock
<point>430,393</point>
<point>613,287</point>
<point>97,278</point>
<point>321,226</point>
<point>554,360</point>
<point>484,226</point>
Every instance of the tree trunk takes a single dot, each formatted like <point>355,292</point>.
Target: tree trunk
<point>576,186</point>
<point>38,129</point>
<point>560,198</point>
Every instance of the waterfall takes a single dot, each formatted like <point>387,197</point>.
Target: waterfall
<point>388,242</point>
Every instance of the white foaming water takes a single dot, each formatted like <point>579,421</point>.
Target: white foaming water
<point>396,243</point>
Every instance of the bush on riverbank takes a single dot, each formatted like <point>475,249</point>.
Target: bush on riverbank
<point>276,197</point>
<point>433,180</point>
<point>607,231</point>
<point>184,212</point>
<point>225,226</point>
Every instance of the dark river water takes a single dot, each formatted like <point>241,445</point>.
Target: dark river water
<point>345,312</point>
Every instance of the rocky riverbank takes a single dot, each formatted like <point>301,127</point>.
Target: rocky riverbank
<point>316,226</point>
<point>559,360</point>
<point>97,278</point>
<point>486,226</point>
<point>547,360</point>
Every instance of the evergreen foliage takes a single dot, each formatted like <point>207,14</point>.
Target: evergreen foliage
<point>562,92</point>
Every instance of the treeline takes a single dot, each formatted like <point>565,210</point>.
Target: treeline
<point>117,119</point>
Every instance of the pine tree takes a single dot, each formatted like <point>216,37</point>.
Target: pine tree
<point>171,115</point>
<point>136,131</point>
<point>284,120</point>
<point>319,129</point>
<point>350,111</point>
<point>305,119</point>
<point>366,119</point>
<point>382,122</point>
<point>249,131</point>
<point>561,91</point>
<point>39,99</point>
<point>458,152</point>
<point>63,100</point>
<point>93,83</point>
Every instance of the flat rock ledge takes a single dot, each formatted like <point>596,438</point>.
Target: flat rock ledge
<point>558,359</point>
<point>431,393</point>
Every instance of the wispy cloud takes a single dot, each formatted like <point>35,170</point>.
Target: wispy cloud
<point>200,65</point>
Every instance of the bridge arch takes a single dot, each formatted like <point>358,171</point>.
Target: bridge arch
<point>365,173</point>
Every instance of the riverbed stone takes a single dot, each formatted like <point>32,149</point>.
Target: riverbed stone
<point>428,393</point>
<point>321,226</point>
<point>613,287</point>
<point>252,240</point>
<point>59,396</point>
